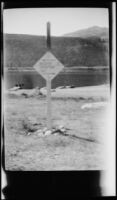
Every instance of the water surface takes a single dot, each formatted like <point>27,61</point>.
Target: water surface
<point>79,78</point>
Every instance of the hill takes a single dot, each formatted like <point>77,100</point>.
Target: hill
<point>25,50</point>
<point>94,31</point>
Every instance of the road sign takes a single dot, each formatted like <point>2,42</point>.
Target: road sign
<point>48,66</point>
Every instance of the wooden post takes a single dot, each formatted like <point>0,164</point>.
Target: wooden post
<point>48,36</point>
<point>48,66</point>
<point>49,125</point>
<point>48,82</point>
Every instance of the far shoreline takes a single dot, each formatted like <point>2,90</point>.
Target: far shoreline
<point>66,69</point>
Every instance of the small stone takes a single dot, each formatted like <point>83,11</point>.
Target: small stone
<point>55,133</point>
<point>39,132</point>
<point>60,127</point>
<point>41,135</point>
<point>29,133</point>
<point>44,130</point>
<point>53,130</point>
<point>48,132</point>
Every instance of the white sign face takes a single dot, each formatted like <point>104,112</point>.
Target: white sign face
<point>48,66</point>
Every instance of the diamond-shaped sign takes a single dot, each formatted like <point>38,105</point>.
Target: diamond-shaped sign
<point>48,66</point>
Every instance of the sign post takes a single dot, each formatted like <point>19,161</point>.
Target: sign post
<point>48,67</point>
<point>49,124</point>
<point>48,83</point>
<point>48,36</point>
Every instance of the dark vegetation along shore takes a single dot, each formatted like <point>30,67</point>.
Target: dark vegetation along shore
<point>23,51</point>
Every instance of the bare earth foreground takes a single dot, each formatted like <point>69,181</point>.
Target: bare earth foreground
<point>81,110</point>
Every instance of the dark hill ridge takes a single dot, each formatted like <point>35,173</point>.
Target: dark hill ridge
<point>94,31</point>
<point>25,50</point>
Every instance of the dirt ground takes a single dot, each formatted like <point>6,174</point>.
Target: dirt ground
<point>82,148</point>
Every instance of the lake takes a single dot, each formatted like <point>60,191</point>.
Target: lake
<point>80,77</point>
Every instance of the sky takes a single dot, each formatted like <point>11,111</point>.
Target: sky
<point>33,21</point>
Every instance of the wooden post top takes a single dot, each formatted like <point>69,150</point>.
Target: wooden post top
<point>48,37</point>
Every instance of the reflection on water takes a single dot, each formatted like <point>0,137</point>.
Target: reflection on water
<point>81,77</point>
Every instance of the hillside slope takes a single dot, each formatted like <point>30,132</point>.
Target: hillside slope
<point>25,50</point>
<point>94,31</point>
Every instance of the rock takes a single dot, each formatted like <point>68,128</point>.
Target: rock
<point>61,87</point>
<point>29,133</point>
<point>53,130</point>
<point>39,133</point>
<point>60,127</point>
<point>14,88</point>
<point>44,130</point>
<point>86,106</point>
<point>72,86</point>
<point>55,133</point>
<point>94,105</point>
<point>43,91</point>
<point>25,95</point>
<point>48,132</point>
<point>62,130</point>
